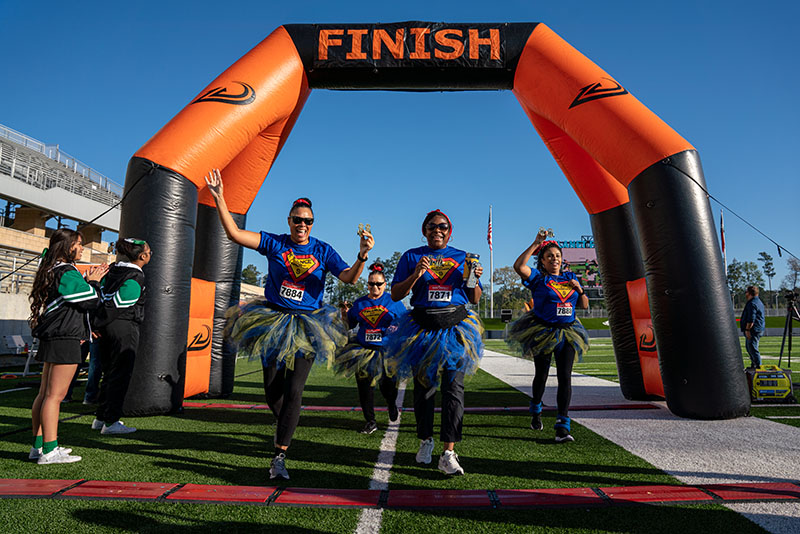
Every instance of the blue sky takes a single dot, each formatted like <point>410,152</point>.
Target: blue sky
<point>100,78</point>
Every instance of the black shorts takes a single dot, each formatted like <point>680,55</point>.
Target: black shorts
<point>60,351</point>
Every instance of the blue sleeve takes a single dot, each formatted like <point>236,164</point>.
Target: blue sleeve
<point>334,263</point>
<point>749,312</point>
<point>402,271</point>
<point>398,309</point>
<point>268,245</point>
<point>529,283</point>
<point>352,321</point>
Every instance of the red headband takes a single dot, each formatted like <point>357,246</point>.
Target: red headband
<point>302,201</point>
<point>376,268</point>
<point>544,244</point>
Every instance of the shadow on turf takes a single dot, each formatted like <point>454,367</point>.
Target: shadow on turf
<point>164,521</point>
<point>653,519</point>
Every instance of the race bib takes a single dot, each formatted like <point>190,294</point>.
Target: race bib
<point>292,291</point>
<point>440,293</point>
<point>373,336</point>
<point>564,310</point>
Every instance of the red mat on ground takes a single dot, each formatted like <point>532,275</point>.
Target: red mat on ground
<point>438,498</point>
<point>655,494</point>
<point>209,492</point>
<point>754,491</point>
<point>24,486</point>
<point>329,497</point>
<point>549,497</point>
<point>120,490</point>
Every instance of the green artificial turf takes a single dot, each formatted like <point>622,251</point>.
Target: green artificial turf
<point>233,447</point>
<point>46,516</point>
<point>708,519</point>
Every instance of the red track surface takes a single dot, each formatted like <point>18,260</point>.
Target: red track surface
<point>421,498</point>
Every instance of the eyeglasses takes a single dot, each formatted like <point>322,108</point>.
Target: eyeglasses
<point>440,226</point>
<point>308,220</point>
<point>375,284</point>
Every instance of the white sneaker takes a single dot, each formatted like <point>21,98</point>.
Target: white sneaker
<point>118,427</point>
<point>57,456</point>
<point>425,451</point>
<point>97,424</point>
<point>277,467</point>
<point>35,453</point>
<point>448,463</point>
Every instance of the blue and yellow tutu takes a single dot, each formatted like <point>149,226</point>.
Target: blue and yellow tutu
<point>532,336</point>
<point>278,336</point>
<point>362,362</point>
<point>412,351</point>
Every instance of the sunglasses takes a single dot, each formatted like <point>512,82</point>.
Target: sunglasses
<point>440,226</point>
<point>375,284</point>
<point>308,220</point>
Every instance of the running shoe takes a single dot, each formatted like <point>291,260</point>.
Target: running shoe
<point>117,427</point>
<point>57,456</point>
<point>369,428</point>
<point>277,467</point>
<point>425,451</point>
<point>536,422</point>
<point>35,453</point>
<point>393,413</point>
<point>448,463</point>
<point>97,424</point>
<point>563,435</point>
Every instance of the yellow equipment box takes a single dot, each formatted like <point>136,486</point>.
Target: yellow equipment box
<point>770,383</point>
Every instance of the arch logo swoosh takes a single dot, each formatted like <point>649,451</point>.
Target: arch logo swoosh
<point>221,94</point>
<point>596,91</point>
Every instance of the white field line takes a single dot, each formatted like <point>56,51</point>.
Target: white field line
<point>783,417</point>
<point>15,389</point>
<point>370,520</point>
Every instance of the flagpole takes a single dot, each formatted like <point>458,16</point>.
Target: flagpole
<point>491,272</point>
<point>722,236</point>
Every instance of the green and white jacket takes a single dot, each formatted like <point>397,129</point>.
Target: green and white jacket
<point>70,299</point>
<point>123,294</point>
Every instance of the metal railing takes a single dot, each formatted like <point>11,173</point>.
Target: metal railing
<point>68,172</point>
<point>21,280</point>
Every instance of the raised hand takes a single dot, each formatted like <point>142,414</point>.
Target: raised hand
<point>214,183</point>
<point>366,243</point>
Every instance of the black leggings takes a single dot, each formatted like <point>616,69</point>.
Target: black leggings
<point>284,391</point>
<point>452,407</point>
<point>565,358</point>
<point>119,341</point>
<point>366,394</point>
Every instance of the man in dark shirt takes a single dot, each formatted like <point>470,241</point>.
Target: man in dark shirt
<point>752,324</point>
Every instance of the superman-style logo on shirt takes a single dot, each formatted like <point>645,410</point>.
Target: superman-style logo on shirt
<point>562,289</point>
<point>441,268</point>
<point>373,314</point>
<point>299,266</point>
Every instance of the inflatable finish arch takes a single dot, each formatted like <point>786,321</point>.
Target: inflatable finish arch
<point>637,178</point>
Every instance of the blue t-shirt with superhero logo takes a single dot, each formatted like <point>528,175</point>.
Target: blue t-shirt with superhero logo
<point>373,317</point>
<point>554,298</point>
<point>296,273</point>
<point>442,284</point>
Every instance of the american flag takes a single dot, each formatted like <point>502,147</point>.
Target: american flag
<point>489,231</point>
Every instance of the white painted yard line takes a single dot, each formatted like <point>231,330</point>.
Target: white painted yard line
<point>15,389</point>
<point>370,520</point>
<point>783,417</point>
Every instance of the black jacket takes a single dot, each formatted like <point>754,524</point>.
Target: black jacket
<point>123,294</point>
<point>68,302</point>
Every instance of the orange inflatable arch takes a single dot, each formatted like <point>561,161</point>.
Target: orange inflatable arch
<point>637,178</point>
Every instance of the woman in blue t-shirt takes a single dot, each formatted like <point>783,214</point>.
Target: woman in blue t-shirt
<point>291,328</point>
<point>550,328</point>
<point>363,357</point>
<point>440,339</point>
